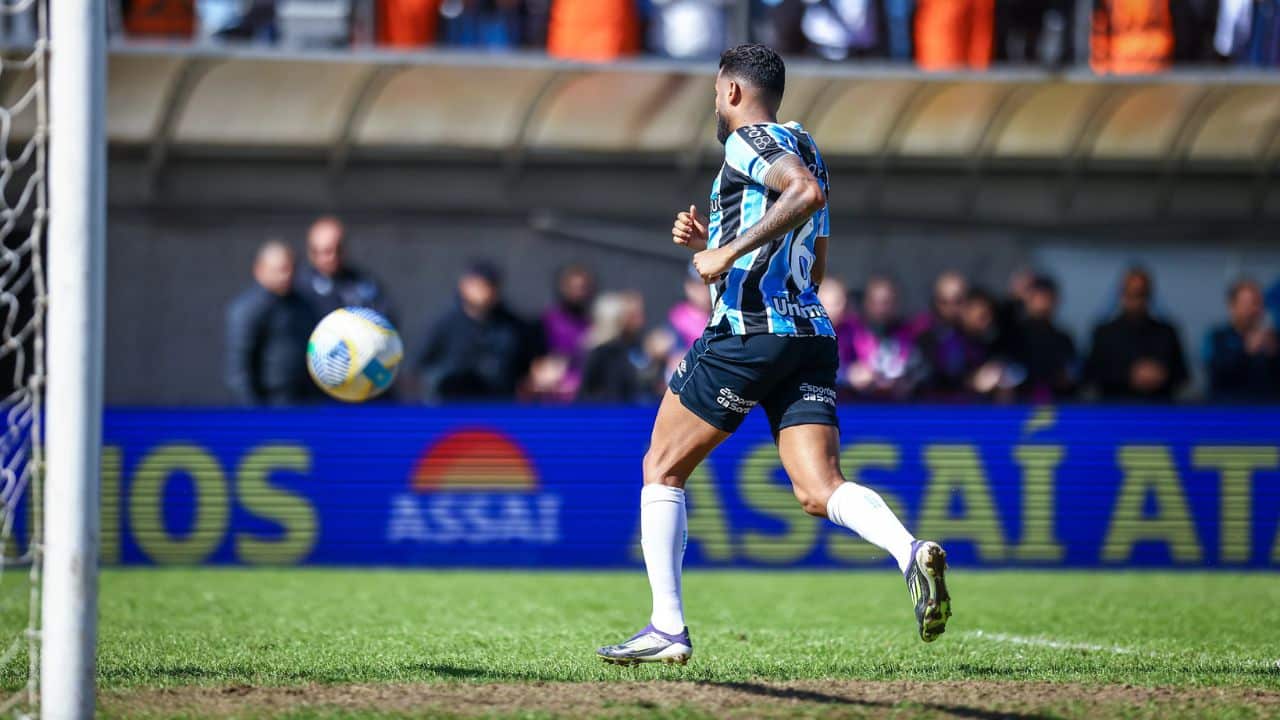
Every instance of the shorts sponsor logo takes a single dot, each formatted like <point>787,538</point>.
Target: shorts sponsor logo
<point>783,306</point>
<point>681,370</point>
<point>817,393</point>
<point>730,400</point>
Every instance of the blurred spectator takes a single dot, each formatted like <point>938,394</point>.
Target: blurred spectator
<point>615,363</point>
<point>1035,31</point>
<point>948,353</point>
<point>268,326</point>
<point>1242,355</point>
<point>327,281</point>
<point>833,294</point>
<point>491,24</point>
<point>18,25</point>
<point>840,29</point>
<point>1136,356</point>
<point>593,30</point>
<point>954,34</point>
<point>1131,36</point>
<point>885,363</point>
<point>257,23</point>
<point>689,317</point>
<point>565,326</point>
<point>1012,310</point>
<point>163,18</point>
<point>776,23</point>
<point>1194,24</point>
<point>1248,32</point>
<point>1046,352</point>
<point>687,29</point>
<point>899,20</point>
<point>479,349</point>
<point>408,23</point>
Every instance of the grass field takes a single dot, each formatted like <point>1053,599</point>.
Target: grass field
<point>365,644</point>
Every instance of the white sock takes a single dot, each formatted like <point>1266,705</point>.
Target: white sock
<point>863,511</point>
<point>663,527</point>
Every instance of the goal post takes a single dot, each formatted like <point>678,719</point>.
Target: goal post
<point>74,355</point>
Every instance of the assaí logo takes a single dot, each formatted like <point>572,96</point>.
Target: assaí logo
<point>474,486</point>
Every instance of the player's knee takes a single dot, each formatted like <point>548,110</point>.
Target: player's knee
<point>813,498</point>
<point>659,466</point>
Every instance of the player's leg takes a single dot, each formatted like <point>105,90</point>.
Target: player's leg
<point>680,441</point>
<point>705,403</point>
<point>810,455</point>
<point>802,412</point>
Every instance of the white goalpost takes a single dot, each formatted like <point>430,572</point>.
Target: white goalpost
<point>74,356</point>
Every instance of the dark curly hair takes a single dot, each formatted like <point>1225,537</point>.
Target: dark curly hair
<point>758,66</point>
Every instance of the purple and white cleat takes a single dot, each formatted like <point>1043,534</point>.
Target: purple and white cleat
<point>650,645</point>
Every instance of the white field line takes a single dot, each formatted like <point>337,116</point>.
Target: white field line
<point>1050,643</point>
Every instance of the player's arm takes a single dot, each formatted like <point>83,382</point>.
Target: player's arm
<point>819,270</point>
<point>799,197</point>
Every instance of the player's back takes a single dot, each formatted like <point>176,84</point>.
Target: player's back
<point>769,290</point>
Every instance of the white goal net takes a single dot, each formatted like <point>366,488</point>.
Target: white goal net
<point>23,202</point>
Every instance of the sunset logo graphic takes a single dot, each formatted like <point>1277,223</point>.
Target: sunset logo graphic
<point>476,459</point>
<point>474,486</point>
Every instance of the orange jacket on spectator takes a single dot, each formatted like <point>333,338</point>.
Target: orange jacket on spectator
<point>1131,36</point>
<point>407,23</point>
<point>160,17</point>
<point>593,29</point>
<point>954,34</point>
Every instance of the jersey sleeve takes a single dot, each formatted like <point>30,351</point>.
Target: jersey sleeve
<point>752,150</point>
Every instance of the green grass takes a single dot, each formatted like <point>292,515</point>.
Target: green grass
<point>223,627</point>
<point>219,627</point>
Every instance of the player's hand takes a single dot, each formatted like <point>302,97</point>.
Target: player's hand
<point>690,230</point>
<point>711,264</point>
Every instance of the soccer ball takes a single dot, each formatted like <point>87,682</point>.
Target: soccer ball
<point>353,354</point>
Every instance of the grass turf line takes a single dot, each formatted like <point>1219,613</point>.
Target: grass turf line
<point>266,627</point>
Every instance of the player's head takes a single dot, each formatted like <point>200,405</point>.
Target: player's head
<point>324,245</point>
<point>979,315</point>
<point>1244,303</point>
<point>479,287</point>
<point>834,296</point>
<point>1135,292</point>
<point>949,292</point>
<point>575,287</point>
<point>751,78</point>
<point>1042,297</point>
<point>880,301</point>
<point>273,267</point>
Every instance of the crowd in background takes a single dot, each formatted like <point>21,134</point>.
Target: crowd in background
<point>1123,36</point>
<point>970,345</point>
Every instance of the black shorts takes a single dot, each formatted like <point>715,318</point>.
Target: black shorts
<point>723,376</point>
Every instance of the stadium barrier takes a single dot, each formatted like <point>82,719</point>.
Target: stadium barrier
<point>557,487</point>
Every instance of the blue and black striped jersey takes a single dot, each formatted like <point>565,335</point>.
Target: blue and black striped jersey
<point>770,289</point>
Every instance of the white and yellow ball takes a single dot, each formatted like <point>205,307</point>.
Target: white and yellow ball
<point>353,354</point>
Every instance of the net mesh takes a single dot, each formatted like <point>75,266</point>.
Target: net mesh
<point>23,134</point>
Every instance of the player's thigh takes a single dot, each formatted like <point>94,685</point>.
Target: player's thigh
<point>802,414</point>
<point>680,441</point>
<point>810,454</point>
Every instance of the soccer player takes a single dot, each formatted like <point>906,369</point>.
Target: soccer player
<point>769,342</point>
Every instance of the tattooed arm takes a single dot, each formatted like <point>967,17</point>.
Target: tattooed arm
<point>800,197</point>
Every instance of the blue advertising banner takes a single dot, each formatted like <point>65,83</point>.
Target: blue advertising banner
<point>558,487</point>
